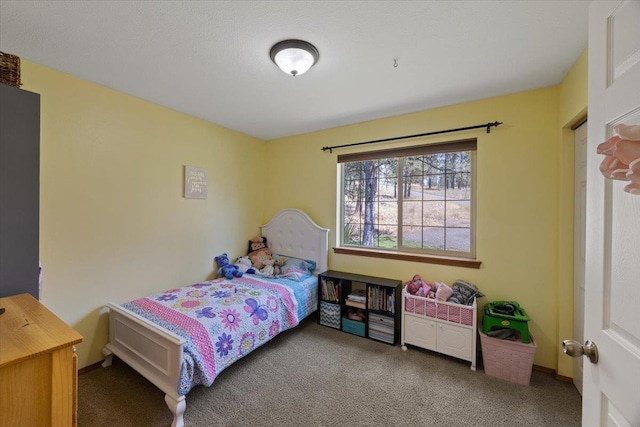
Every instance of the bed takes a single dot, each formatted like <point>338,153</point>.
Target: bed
<point>163,336</point>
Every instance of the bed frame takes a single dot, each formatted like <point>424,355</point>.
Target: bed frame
<point>156,353</point>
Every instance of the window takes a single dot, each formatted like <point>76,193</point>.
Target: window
<point>416,199</point>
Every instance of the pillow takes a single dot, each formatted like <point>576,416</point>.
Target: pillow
<point>296,268</point>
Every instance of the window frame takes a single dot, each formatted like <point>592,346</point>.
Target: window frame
<point>402,252</point>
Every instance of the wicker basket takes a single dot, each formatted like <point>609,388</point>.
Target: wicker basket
<point>10,69</point>
<point>508,360</point>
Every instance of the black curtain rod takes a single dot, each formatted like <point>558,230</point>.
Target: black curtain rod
<point>488,126</point>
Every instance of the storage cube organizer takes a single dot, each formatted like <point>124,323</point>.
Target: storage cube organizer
<point>507,360</point>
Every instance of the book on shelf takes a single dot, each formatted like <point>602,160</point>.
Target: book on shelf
<point>330,290</point>
<point>355,304</point>
<point>357,295</point>
<point>382,299</point>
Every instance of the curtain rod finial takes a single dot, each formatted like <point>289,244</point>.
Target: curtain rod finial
<point>489,125</point>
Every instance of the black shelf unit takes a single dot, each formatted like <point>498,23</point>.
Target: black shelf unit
<point>377,318</point>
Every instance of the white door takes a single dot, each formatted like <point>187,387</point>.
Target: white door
<point>611,388</point>
<point>580,199</point>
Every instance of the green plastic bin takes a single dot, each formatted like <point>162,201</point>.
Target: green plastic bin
<point>496,316</point>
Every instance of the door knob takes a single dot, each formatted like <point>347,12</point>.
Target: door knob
<point>575,349</point>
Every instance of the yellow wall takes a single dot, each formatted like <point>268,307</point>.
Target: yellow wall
<point>114,225</point>
<point>113,221</point>
<point>517,187</point>
<point>573,106</point>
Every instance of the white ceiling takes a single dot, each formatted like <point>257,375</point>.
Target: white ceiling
<point>210,59</point>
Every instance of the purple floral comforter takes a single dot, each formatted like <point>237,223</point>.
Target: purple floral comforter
<point>221,320</point>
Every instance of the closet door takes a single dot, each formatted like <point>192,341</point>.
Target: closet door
<point>19,191</point>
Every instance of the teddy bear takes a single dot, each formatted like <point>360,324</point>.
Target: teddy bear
<point>226,269</point>
<point>268,269</point>
<point>258,252</point>
<point>278,264</point>
<point>256,244</point>
<point>244,265</point>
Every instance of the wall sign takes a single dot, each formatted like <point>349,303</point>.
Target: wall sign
<point>195,183</point>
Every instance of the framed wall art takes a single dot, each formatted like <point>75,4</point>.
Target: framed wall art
<point>195,183</point>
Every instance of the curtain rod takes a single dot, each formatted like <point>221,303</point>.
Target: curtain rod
<point>488,126</point>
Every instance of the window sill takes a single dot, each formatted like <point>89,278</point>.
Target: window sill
<point>456,262</point>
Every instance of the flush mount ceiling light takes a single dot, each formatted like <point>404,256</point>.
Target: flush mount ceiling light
<point>294,57</point>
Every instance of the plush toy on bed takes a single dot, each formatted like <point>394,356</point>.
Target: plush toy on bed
<point>278,264</point>
<point>244,265</point>
<point>226,269</point>
<point>268,269</point>
<point>256,244</point>
<point>258,252</point>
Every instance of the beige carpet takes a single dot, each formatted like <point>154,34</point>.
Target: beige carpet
<point>317,376</point>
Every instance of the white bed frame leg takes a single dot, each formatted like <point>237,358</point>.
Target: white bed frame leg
<point>177,407</point>
<point>108,357</point>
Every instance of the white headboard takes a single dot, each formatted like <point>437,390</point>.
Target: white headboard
<point>291,232</point>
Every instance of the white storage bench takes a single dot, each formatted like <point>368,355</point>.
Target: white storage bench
<point>445,327</point>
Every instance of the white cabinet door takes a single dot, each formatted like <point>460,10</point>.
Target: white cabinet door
<point>454,340</point>
<point>420,331</point>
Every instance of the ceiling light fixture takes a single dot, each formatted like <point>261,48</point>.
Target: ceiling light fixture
<point>294,57</point>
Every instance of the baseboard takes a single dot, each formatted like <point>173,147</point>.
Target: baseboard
<point>90,368</point>
<point>564,379</point>
<point>552,372</point>
<point>544,369</point>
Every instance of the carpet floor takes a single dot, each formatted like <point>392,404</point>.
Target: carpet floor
<point>317,376</point>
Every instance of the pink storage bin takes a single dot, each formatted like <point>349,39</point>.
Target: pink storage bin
<point>507,360</point>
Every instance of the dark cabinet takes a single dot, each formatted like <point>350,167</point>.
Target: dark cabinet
<point>19,191</point>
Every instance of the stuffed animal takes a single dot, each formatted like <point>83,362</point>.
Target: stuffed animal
<point>226,269</point>
<point>268,269</point>
<point>278,264</point>
<point>258,252</point>
<point>414,285</point>
<point>426,290</point>
<point>244,265</point>
<point>443,292</point>
<point>257,243</point>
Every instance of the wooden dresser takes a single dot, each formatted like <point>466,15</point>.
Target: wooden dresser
<point>38,365</point>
